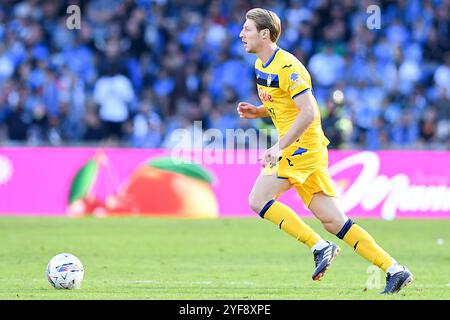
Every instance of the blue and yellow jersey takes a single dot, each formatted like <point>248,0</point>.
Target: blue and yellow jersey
<point>279,81</point>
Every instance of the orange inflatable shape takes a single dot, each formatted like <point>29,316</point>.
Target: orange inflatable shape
<point>152,191</point>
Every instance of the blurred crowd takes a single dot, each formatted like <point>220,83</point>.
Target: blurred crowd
<point>136,71</point>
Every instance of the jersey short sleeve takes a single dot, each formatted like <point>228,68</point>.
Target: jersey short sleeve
<point>293,80</point>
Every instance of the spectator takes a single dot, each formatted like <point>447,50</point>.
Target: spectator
<point>147,127</point>
<point>331,124</point>
<point>18,122</point>
<point>189,57</point>
<point>114,93</point>
<point>428,126</point>
<point>405,131</point>
<point>326,67</point>
<point>442,75</point>
<point>94,131</point>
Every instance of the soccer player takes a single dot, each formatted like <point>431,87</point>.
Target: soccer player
<point>300,157</point>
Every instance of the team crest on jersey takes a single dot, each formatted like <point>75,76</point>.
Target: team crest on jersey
<point>295,77</point>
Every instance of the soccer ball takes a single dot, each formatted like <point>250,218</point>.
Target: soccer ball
<point>65,271</point>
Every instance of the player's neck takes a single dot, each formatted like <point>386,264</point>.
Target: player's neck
<point>266,53</point>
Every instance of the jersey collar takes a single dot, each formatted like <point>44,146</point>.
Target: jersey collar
<point>265,65</point>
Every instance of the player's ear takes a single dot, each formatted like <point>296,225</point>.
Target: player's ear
<point>264,33</point>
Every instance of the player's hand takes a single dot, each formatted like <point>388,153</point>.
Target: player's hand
<point>271,155</point>
<point>247,110</point>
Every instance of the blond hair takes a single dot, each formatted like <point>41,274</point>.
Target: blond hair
<point>265,19</point>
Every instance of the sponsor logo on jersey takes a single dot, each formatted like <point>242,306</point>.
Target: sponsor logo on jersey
<point>264,96</point>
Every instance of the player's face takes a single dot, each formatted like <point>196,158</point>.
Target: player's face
<point>250,36</point>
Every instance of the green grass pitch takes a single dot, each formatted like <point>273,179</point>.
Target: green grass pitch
<point>227,258</point>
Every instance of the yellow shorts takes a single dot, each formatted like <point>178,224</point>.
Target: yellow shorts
<point>307,171</point>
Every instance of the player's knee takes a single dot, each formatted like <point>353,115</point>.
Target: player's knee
<point>330,227</point>
<point>333,225</point>
<point>256,203</point>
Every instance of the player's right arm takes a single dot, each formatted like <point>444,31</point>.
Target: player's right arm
<point>249,111</point>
